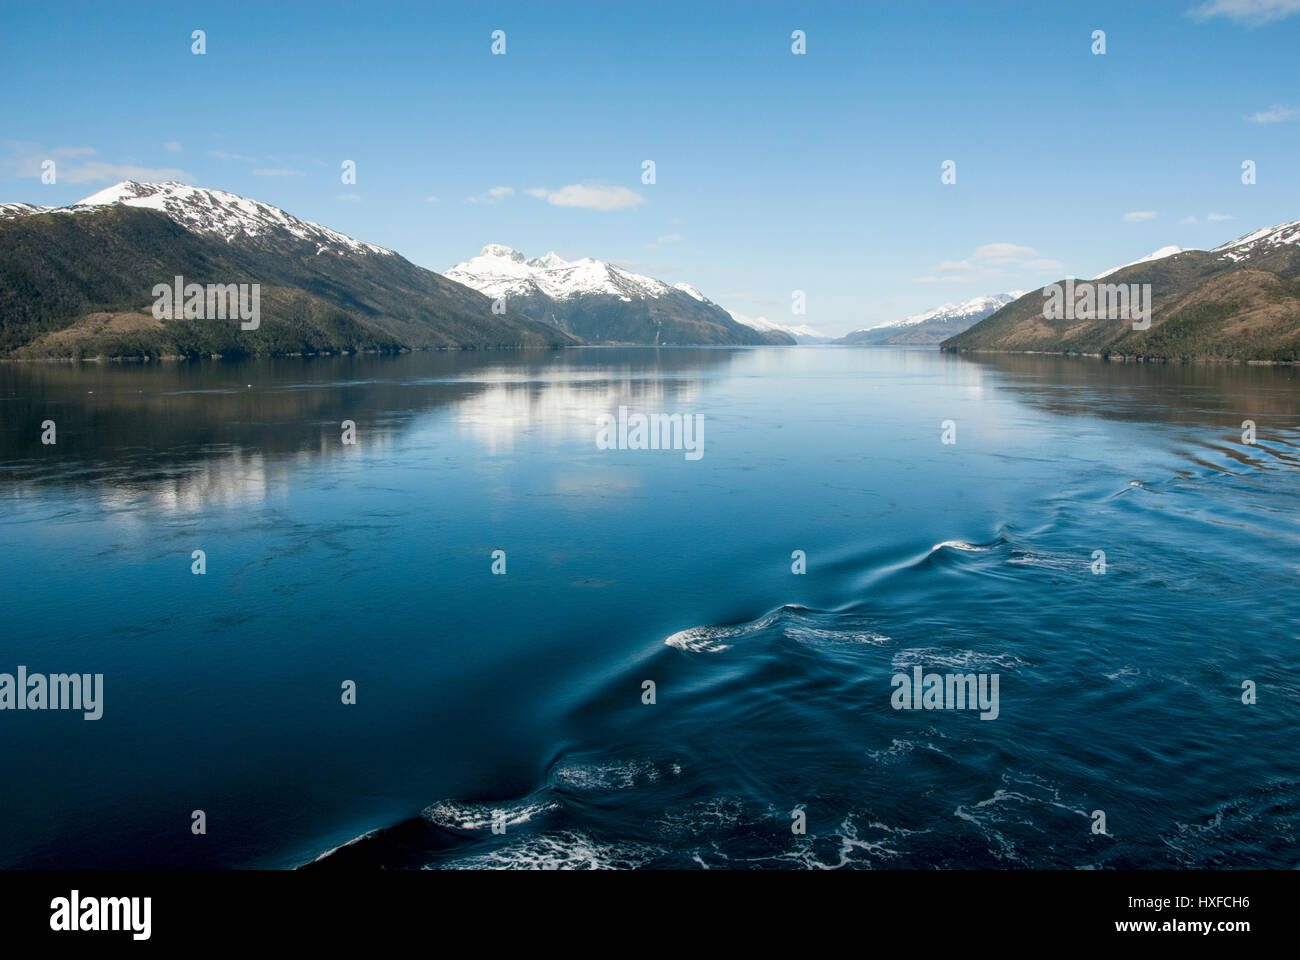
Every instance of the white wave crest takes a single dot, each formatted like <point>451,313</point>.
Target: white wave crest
<point>455,815</point>
<point>562,850</point>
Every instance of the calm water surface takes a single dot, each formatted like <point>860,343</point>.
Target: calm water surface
<point>522,693</point>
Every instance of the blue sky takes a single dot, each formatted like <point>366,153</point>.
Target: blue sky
<point>774,172</point>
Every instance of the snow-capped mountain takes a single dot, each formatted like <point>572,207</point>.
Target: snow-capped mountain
<point>1261,241</point>
<point>500,271</point>
<point>21,209</point>
<point>603,303</point>
<point>79,281</point>
<point>1236,303</point>
<point>1154,255</point>
<point>957,312</point>
<point>201,210</point>
<point>935,325</point>
<point>802,333</point>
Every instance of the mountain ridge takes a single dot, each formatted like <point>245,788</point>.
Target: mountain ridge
<point>1238,302</point>
<point>604,303</point>
<point>77,283</point>
<point>931,326</point>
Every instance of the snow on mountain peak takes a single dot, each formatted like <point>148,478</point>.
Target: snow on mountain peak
<point>1275,236</point>
<point>131,190</point>
<point>802,333</point>
<point>955,311</point>
<point>21,209</point>
<point>500,271</point>
<point>502,252</point>
<point>1160,254</point>
<point>201,210</point>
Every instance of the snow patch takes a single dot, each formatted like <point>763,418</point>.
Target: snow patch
<point>977,306</point>
<point>1160,254</point>
<point>201,210</point>
<point>764,325</point>
<point>500,271</point>
<point>1282,234</point>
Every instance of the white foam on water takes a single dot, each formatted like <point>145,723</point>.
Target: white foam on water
<point>933,659</point>
<point>704,816</point>
<point>964,545</point>
<point>711,639</point>
<point>703,639</point>
<point>1052,563</point>
<point>901,748</point>
<point>820,636</point>
<point>854,850</point>
<point>562,850</point>
<point>616,775</point>
<point>456,815</point>
<point>793,622</point>
<point>1013,808</point>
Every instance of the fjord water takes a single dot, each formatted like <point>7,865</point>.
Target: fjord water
<point>476,693</point>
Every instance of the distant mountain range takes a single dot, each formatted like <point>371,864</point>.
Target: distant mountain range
<point>1237,302</point>
<point>76,281</point>
<point>933,326</point>
<point>801,333</point>
<point>602,303</point>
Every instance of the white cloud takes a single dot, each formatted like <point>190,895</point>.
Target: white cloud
<point>538,192</point>
<point>430,199</point>
<point>26,150</point>
<point>645,266</point>
<point>1251,12</point>
<point>591,197</point>
<point>669,238</point>
<point>171,146</point>
<point>1186,220</point>
<point>493,195</point>
<point>1003,252</point>
<point>350,197</point>
<point>992,263</point>
<point>94,172</point>
<point>1217,217</point>
<point>277,172</point>
<point>26,160</point>
<point>1274,114</point>
<point>1137,216</point>
<point>222,155</point>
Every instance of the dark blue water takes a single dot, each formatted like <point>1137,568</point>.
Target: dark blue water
<point>520,696</point>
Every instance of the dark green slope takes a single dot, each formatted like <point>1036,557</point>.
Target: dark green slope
<point>676,318</point>
<point>80,284</point>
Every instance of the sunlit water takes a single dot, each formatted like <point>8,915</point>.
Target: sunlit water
<point>521,696</point>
